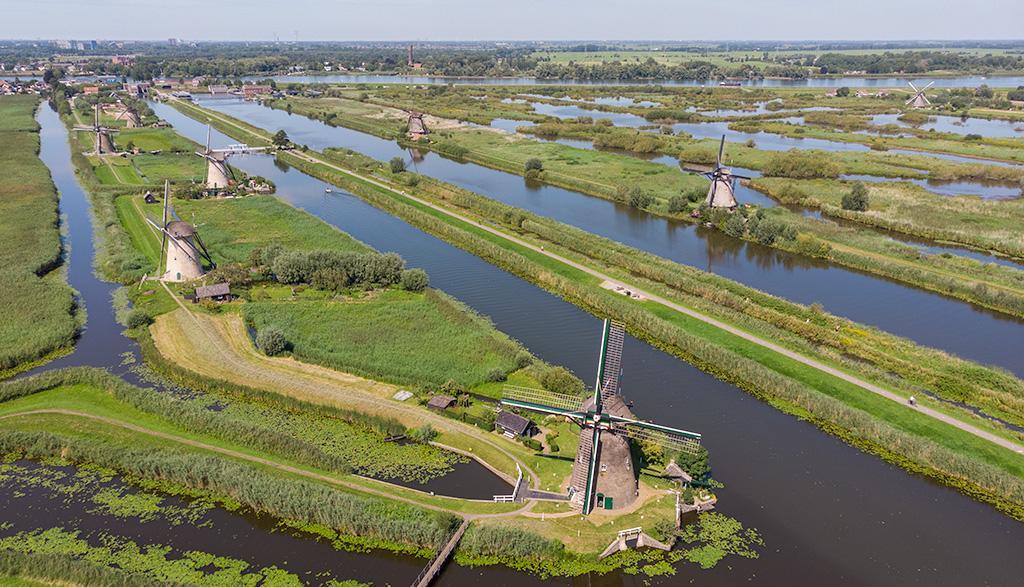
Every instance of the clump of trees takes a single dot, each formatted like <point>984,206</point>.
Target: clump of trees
<point>534,167</point>
<point>561,380</point>
<point>857,199</point>
<point>797,164</point>
<point>415,280</point>
<point>331,270</point>
<point>397,165</point>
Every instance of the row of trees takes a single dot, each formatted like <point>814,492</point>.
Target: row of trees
<point>337,270</point>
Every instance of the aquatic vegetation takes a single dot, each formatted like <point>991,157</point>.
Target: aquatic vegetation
<point>152,561</point>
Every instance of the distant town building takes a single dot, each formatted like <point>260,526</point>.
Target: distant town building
<point>253,90</point>
<point>87,90</point>
<point>125,60</point>
<point>219,89</point>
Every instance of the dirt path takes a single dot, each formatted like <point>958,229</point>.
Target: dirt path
<point>793,355</point>
<point>265,462</point>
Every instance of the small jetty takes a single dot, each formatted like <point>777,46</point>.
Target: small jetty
<point>428,574</point>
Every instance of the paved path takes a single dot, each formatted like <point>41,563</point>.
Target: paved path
<point>810,362</point>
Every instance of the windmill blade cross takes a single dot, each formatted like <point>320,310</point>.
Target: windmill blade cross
<point>537,399</point>
<point>664,436</point>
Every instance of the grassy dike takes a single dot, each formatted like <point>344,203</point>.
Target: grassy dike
<point>910,439</point>
<point>40,318</point>
<point>603,174</point>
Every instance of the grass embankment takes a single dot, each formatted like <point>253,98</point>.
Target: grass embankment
<point>910,439</point>
<point>607,175</point>
<point>40,320</point>
<point>140,434</point>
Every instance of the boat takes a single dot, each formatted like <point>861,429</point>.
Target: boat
<point>328,191</point>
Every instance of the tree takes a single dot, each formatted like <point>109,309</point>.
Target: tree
<point>534,164</point>
<point>414,280</point>
<point>843,92</point>
<point>138,317</point>
<point>397,165</point>
<point>767,231</point>
<point>271,341</point>
<point>280,139</point>
<point>857,199</point>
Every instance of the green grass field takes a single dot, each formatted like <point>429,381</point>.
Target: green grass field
<point>395,336</point>
<point>37,305</point>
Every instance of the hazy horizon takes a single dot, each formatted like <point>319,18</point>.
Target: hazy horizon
<point>526,20</point>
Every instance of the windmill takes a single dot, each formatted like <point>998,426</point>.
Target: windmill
<point>102,143</point>
<point>603,475</point>
<point>185,250</point>
<point>218,173</point>
<point>722,193</point>
<point>919,100</point>
<point>417,128</point>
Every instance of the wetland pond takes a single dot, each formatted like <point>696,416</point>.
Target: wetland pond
<point>806,492</point>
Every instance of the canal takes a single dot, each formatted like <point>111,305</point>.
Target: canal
<point>927,318</point>
<point>829,513</point>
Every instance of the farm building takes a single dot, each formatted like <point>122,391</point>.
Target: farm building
<point>149,198</point>
<point>513,424</point>
<point>676,473</point>
<point>218,292</point>
<point>441,402</point>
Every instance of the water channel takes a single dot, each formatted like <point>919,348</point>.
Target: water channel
<point>982,335</point>
<point>829,513</point>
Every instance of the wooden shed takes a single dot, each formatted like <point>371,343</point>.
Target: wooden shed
<point>441,402</point>
<point>218,292</point>
<point>513,424</point>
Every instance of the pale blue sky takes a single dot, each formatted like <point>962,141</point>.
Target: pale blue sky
<point>344,20</point>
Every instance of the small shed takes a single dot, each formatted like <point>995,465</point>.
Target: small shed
<point>149,198</point>
<point>441,402</point>
<point>676,473</point>
<point>512,424</point>
<point>218,292</point>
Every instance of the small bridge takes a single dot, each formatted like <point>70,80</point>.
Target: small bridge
<point>428,574</point>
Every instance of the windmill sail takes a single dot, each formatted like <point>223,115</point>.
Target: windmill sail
<point>668,438</point>
<point>530,398</point>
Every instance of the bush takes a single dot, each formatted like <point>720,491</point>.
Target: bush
<point>397,165</point>
<point>735,226</point>
<point>523,359</point>
<point>534,164</point>
<point>271,341</point>
<point>424,434</point>
<point>767,231</point>
<point>495,375</point>
<point>677,204</point>
<point>561,380</point>
<point>801,165</point>
<point>138,318</point>
<point>639,198</point>
<point>414,280</point>
<point>857,199</point>
<point>532,444</point>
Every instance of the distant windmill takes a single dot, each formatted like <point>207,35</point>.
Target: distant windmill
<point>417,128</point>
<point>722,193</point>
<point>102,143</point>
<point>919,100</point>
<point>131,117</point>
<point>603,474</point>
<point>218,173</point>
<point>185,251</point>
